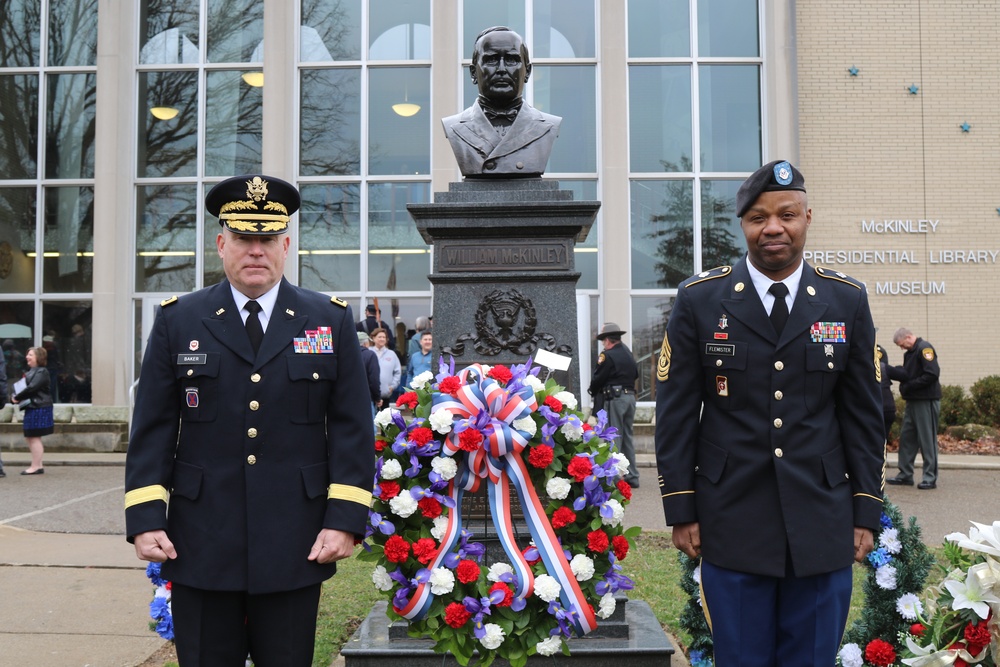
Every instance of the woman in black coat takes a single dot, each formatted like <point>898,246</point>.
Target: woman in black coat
<point>36,401</point>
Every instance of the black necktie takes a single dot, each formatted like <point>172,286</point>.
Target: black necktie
<point>254,330</point>
<point>779,311</point>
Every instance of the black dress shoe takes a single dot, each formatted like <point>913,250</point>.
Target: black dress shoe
<point>40,471</point>
<point>927,485</point>
<point>900,481</point>
<point>634,484</point>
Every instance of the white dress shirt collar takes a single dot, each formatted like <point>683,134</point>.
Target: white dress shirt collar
<point>266,301</point>
<point>762,283</point>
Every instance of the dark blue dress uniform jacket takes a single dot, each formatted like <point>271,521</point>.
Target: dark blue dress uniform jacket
<point>775,445</point>
<point>255,456</point>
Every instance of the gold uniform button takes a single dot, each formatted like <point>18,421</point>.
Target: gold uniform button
<point>778,423</point>
<point>252,432</point>
<point>778,395</point>
<point>811,290</point>
<point>778,452</point>
<point>779,365</point>
<point>718,362</point>
<point>190,372</point>
<point>738,287</point>
<point>254,405</point>
<point>251,459</point>
<point>315,376</point>
<point>830,365</point>
<point>255,378</point>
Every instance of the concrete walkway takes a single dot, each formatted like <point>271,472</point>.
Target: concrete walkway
<point>72,593</point>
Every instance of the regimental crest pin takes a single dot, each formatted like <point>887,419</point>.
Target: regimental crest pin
<point>193,345</point>
<point>723,322</point>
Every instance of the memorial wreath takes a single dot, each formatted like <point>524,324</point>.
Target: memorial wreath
<point>499,427</point>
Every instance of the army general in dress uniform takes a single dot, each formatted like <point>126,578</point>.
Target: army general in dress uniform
<point>769,436</point>
<point>251,456</point>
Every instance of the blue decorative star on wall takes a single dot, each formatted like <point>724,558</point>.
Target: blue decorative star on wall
<point>965,127</point>
<point>913,88</point>
<point>853,70</point>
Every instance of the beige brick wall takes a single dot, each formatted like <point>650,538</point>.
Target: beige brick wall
<point>871,150</point>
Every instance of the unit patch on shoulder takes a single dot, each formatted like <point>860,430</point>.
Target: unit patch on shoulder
<point>711,274</point>
<point>600,359</point>
<point>663,363</point>
<point>337,301</point>
<point>928,353</point>
<point>167,302</point>
<point>830,274</point>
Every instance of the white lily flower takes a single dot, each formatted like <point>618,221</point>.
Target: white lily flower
<point>980,538</point>
<point>968,595</point>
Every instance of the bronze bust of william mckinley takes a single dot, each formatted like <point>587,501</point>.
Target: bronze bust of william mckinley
<point>501,135</point>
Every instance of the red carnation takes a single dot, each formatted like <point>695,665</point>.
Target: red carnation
<point>409,399</point>
<point>917,629</point>
<point>880,653</point>
<point>429,507</point>
<point>500,373</point>
<point>456,615</point>
<point>421,435</point>
<point>597,541</point>
<point>977,636</point>
<point>508,595</point>
<point>562,517</point>
<point>554,404</point>
<point>587,427</point>
<point>450,385</point>
<point>390,490</point>
<point>540,456</point>
<point>424,550</point>
<point>397,550</point>
<point>380,445</point>
<point>467,571</point>
<point>469,440</point>
<point>580,467</point>
<point>625,489</point>
<point>620,545</point>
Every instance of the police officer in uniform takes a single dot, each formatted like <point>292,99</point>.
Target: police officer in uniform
<point>252,423</point>
<point>920,386</point>
<point>614,382</point>
<point>769,435</point>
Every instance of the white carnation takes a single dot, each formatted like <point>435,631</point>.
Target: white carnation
<point>573,430</point>
<point>533,382</point>
<point>885,577</point>
<point>607,606</point>
<point>558,488</point>
<point>582,566</point>
<point>444,466</point>
<point>549,646</point>
<point>384,417</point>
<point>381,579</point>
<point>440,421</point>
<point>440,525</point>
<point>526,424</point>
<point>493,637</point>
<point>889,539</point>
<point>498,569</point>
<point>442,581</point>
<point>391,469</point>
<point>567,399</point>
<point>909,606</point>
<point>850,656</point>
<point>696,574</point>
<point>403,505</point>
<point>620,463</point>
<point>618,514</point>
<point>486,369</point>
<point>547,588</point>
<point>421,380</point>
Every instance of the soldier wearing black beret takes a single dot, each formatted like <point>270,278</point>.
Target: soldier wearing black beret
<point>249,425</point>
<point>769,436</point>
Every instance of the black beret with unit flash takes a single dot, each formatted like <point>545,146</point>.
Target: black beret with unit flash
<point>253,204</point>
<point>773,176</point>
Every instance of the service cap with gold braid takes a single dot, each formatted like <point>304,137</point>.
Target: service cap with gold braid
<point>253,204</point>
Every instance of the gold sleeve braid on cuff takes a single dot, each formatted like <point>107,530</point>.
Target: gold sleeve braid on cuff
<point>351,493</point>
<point>868,495</point>
<point>145,494</point>
<point>677,493</point>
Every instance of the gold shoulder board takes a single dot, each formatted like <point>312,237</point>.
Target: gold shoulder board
<point>338,301</point>
<point>167,302</point>
<point>830,274</point>
<point>711,274</point>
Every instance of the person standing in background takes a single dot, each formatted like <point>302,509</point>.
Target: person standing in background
<point>372,371</point>
<point>36,401</point>
<point>372,322</point>
<point>888,400</point>
<point>614,380</point>
<point>390,371</point>
<point>422,359</point>
<point>3,398</point>
<point>920,386</point>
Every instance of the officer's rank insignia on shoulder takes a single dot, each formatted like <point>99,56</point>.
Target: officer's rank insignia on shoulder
<point>167,302</point>
<point>928,353</point>
<point>338,301</point>
<point>711,274</point>
<point>839,276</point>
<point>663,363</point>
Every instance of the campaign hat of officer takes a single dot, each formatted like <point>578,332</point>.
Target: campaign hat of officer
<point>773,176</point>
<point>610,329</point>
<point>253,204</point>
